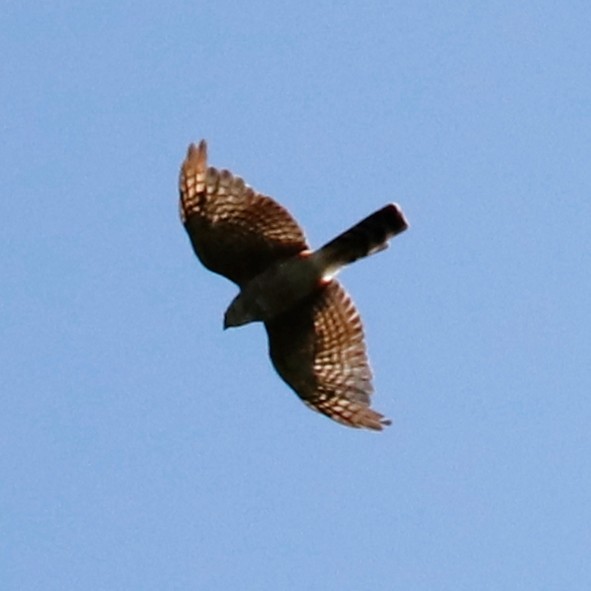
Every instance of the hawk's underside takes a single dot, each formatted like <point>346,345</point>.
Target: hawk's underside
<point>315,333</point>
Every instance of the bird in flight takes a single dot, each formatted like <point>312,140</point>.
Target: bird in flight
<point>316,340</point>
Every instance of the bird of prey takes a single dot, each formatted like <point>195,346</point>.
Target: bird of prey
<point>316,340</point>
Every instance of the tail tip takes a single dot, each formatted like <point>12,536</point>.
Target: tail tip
<point>397,217</point>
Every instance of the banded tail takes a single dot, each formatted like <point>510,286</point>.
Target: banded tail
<point>365,238</point>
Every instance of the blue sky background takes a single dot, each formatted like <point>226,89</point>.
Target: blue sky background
<point>141,447</point>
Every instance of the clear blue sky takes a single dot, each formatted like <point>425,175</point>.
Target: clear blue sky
<point>141,447</point>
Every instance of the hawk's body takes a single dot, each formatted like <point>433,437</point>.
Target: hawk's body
<point>315,333</point>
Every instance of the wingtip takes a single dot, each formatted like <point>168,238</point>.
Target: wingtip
<point>353,414</point>
<point>385,422</point>
<point>375,422</point>
<point>197,155</point>
<point>371,423</point>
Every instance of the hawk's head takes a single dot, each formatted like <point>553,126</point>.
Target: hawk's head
<point>238,313</point>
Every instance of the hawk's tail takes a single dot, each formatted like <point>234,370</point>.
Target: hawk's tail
<point>365,238</point>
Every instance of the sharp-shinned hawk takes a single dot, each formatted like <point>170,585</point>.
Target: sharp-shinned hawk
<point>315,333</point>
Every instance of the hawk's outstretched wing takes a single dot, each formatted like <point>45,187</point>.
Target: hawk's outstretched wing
<point>234,231</point>
<point>319,350</point>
